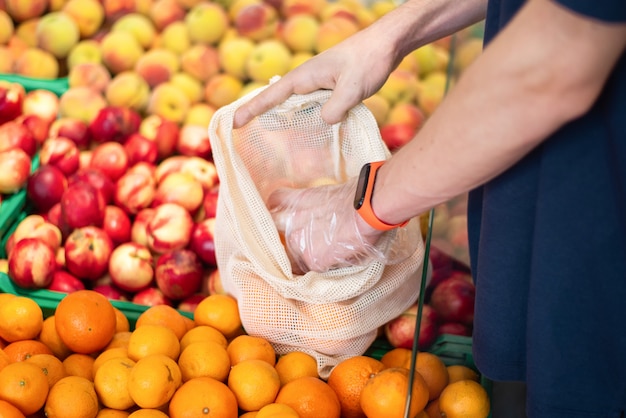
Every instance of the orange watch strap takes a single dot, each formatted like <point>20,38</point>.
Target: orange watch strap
<point>365,211</point>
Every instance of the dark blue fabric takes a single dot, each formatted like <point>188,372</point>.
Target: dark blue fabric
<point>548,254</point>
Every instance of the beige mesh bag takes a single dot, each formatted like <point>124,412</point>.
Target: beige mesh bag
<point>332,315</point>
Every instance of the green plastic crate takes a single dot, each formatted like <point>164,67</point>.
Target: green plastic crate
<point>13,206</point>
<point>48,300</point>
<point>58,85</point>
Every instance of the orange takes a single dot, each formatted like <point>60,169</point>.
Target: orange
<point>24,385</point>
<point>153,380</point>
<point>86,321</point>
<point>163,315</point>
<point>432,409</point>
<point>397,357</point>
<point>348,378</point>
<point>310,397</point>
<point>20,319</point>
<point>8,410</point>
<point>148,413</point>
<point>112,413</point>
<point>120,339</point>
<point>249,414</point>
<point>23,349</point>
<point>118,352</point>
<point>247,347</point>
<point>203,397</point>
<point>277,410</point>
<point>4,359</point>
<point>153,339</point>
<point>51,366</point>
<point>221,312</point>
<point>385,394</point>
<point>296,364</point>
<point>465,398</point>
<point>189,322</point>
<point>434,371</point>
<point>255,383</point>
<point>458,372</point>
<point>111,383</point>
<point>81,365</point>
<point>203,333</point>
<point>204,358</point>
<point>72,397</point>
<point>121,321</point>
<point>50,337</point>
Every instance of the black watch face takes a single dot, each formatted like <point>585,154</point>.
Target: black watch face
<point>359,196</point>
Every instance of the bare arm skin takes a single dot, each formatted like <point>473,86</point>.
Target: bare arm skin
<point>546,68</point>
<point>357,68</point>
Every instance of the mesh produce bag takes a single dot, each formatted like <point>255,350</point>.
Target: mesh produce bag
<point>332,315</point>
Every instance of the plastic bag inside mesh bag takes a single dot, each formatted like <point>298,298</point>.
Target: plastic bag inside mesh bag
<point>332,315</point>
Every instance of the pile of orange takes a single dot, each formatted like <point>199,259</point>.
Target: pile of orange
<point>84,361</point>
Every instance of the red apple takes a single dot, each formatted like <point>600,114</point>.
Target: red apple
<point>74,129</point>
<point>455,328</point>
<point>131,267</point>
<point>190,303</point>
<point>210,202</point>
<point>61,153</point>
<point>32,263</point>
<point>162,131</point>
<point>114,123</point>
<point>110,291</point>
<point>150,297</point>
<point>82,205</point>
<point>400,332</point>
<point>110,158</point>
<point>169,229</point>
<point>45,187</point>
<point>15,135</point>
<point>11,100</point>
<point>135,191</point>
<point>97,179</point>
<point>54,216</point>
<point>193,140</point>
<point>62,281</point>
<point>36,226</point>
<point>37,126</point>
<point>453,299</point>
<point>116,224</point>
<point>178,274</point>
<point>41,102</point>
<point>396,135</point>
<point>87,252</point>
<point>16,166</point>
<point>141,149</point>
<point>202,241</point>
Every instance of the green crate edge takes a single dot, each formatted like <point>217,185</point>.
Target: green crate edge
<point>56,85</point>
<point>13,206</point>
<point>48,300</point>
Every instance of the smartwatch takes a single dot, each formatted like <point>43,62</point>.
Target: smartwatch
<point>363,197</point>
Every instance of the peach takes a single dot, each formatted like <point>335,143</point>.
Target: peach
<point>191,86</point>
<point>382,7</point>
<point>169,102</point>
<point>120,51</point>
<point>6,59</point>
<point>85,51</point>
<point>237,5</point>
<point>409,63</point>
<point>257,21</point>
<point>35,62</point>
<point>17,46</point>
<point>401,86</point>
<point>114,9</point>
<point>268,58</point>
<point>467,52</point>
<point>201,61</point>
<point>199,114</point>
<point>407,113</point>
<point>95,75</point>
<point>431,92</point>
<point>334,9</point>
<point>57,33</point>
<point>426,59</point>
<point>56,5</point>
<point>299,58</point>
<point>128,89</point>
<point>379,106</point>
<point>293,7</point>
<point>157,66</point>
<point>143,6</point>
<point>233,53</point>
<point>365,17</point>
<point>175,37</point>
<point>21,10</point>
<point>140,26</point>
<point>88,14</point>
<point>81,103</point>
<point>206,22</point>
<point>188,4</point>
<point>164,12</point>
<point>6,27</point>
<point>27,31</point>
<point>299,32</point>
<point>333,31</point>
<point>222,89</point>
<point>251,86</point>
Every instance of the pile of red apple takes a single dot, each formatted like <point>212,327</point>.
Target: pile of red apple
<point>121,204</point>
<point>448,306</point>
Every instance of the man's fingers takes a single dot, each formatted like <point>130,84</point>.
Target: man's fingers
<point>273,95</point>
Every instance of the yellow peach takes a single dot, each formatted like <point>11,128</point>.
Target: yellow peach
<point>299,32</point>
<point>401,86</point>
<point>86,51</point>
<point>293,7</point>
<point>379,106</point>
<point>268,58</point>
<point>21,10</point>
<point>128,89</point>
<point>257,21</point>
<point>382,7</point>
<point>35,62</point>
<point>233,53</point>
<point>199,114</point>
<point>427,60</point>
<point>6,59</point>
<point>201,61</point>
<point>237,5</point>
<point>140,26</point>
<point>27,31</point>
<point>57,33</point>
<point>120,51</point>
<point>157,65</point>
<point>299,58</point>
<point>175,37</point>
<point>6,27</point>
<point>88,14</point>
<point>190,85</point>
<point>164,12</point>
<point>333,31</point>
<point>206,23</point>
<point>222,89</point>
<point>169,102</point>
<point>82,103</point>
<point>95,75</point>
<point>250,86</point>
